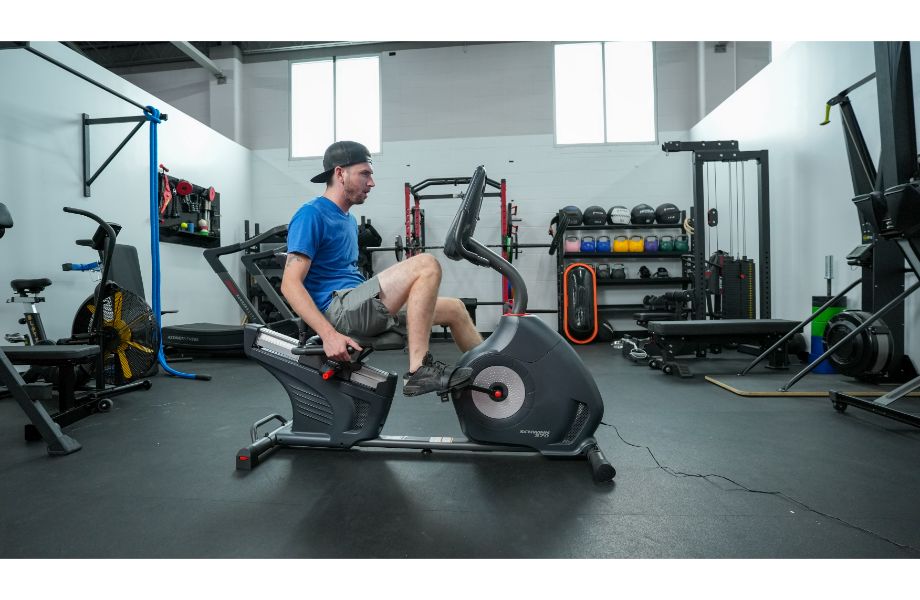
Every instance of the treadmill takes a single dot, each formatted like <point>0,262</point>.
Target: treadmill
<point>227,340</point>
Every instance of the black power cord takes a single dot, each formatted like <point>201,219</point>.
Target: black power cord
<point>676,473</point>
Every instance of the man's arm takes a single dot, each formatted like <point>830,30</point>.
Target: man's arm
<point>293,290</point>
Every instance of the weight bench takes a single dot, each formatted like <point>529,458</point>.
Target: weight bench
<point>65,357</point>
<point>674,337</point>
<point>643,318</point>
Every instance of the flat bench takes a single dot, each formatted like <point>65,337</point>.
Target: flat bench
<point>65,357</point>
<point>674,337</point>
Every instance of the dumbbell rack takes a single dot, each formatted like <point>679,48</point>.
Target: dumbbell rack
<point>564,258</point>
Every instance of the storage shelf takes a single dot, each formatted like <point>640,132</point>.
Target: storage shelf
<point>670,255</point>
<point>192,239</point>
<point>644,282</point>
<point>621,307</point>
<point>630,226</point>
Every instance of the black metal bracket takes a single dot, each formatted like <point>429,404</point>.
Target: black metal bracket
<point>13,45</point>
<point>89,179</point>
<point>697,146</point>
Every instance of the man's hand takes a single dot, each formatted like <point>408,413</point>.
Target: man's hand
<point>335,345</point>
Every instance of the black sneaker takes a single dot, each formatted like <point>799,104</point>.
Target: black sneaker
<point>434,376</point>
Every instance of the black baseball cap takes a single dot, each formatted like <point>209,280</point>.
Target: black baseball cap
<point>341,154</point>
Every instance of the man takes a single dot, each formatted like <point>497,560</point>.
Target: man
<point>324,287</point>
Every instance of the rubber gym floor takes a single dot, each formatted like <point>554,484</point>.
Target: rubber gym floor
<point>701,473</point>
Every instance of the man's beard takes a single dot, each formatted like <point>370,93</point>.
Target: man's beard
<point>355,196</point>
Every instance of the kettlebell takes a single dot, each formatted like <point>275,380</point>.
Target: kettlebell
<point>603,244</point>
<point>572,244</point>
<point>603,271</point>
<point>682,244</point>
<point>587,243</point>
<point>636,244</point>
<point>644,273</point>
<point>666,244</point>
<point>618,271</point>
<point>651,243</point>
<point>662,273</point>
<point>621,244</point>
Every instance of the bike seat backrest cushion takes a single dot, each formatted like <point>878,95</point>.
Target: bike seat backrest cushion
<point>456,246</point>
<point>30,286</point>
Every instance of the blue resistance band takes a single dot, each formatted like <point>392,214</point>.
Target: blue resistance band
<point>153,115</point>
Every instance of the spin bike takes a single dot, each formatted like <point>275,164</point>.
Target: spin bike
<point>528,392</point>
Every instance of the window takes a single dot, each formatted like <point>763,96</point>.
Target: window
<point>605,93</point>
<point>334,99</point>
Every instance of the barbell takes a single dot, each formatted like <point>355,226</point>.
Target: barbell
<point>511,246</point>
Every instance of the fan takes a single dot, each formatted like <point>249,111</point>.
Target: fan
<point>129,338</point>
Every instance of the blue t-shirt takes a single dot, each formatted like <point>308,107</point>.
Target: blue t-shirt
<point>329,238</point>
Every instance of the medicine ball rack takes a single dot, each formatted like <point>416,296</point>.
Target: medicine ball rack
<point>563,258</point>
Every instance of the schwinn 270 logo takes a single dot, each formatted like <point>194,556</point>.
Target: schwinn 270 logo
<point>539,434</point>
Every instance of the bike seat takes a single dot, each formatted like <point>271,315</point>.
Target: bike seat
<point>29,286</point>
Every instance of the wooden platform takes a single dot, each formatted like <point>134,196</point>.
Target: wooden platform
<point>813,385</point>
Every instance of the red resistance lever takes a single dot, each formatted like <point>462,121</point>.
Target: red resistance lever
<point>329,369</point>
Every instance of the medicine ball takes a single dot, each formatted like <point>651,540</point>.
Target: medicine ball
<point>594,215</point>
<point>618,215</point>
<point>642,214</point>
<point>667,214</point>
<point>573,214</point>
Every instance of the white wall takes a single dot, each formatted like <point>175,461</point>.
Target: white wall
<point>41,162</point>
<point>447,110</point>
<point>810,187</point>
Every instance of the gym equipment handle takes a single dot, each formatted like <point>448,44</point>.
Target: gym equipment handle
<point>80,266</point>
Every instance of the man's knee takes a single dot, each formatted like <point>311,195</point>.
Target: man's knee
<point>425,265</point>
<point>458,312</point>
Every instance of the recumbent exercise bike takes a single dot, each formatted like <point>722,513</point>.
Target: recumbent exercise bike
<point>529,391</point>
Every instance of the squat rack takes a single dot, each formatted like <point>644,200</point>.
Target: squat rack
<point>415,216</point>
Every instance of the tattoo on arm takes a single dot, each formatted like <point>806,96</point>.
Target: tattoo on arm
<point>293,258</point>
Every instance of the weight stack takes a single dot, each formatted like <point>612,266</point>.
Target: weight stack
<point>739,295</point>
<point>817,330</point>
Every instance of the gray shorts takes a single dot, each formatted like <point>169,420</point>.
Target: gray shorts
<point>359,311</point>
